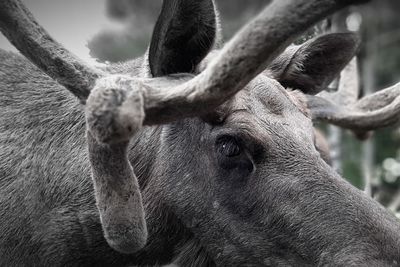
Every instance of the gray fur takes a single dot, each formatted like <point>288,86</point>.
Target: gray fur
<point>276,203</point>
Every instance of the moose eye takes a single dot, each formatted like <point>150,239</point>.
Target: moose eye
<point>228,146</point>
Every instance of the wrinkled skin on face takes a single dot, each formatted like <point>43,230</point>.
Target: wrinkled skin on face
<point>245,176</point>
<point>252,186</point>
<point>255,191</point>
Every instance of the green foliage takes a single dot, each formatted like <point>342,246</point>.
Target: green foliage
<point>351,160</point>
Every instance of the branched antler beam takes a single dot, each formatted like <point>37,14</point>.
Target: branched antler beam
<point>23,31</point>
<point>378,110</point>
<point>245,56</point>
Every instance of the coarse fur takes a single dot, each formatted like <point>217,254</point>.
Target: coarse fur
<point>242,186</point>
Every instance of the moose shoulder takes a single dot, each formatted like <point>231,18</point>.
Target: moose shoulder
<point>240,184</point>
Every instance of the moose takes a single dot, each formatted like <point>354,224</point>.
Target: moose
<point>191,153</point>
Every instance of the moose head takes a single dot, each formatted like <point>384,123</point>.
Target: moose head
<point>200,155</point>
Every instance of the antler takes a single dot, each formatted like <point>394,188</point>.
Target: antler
<point>374,111</point>
<point>245,56</point>
<point>117,105</point>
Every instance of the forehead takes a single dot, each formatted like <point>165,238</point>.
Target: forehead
<point>264,107</point>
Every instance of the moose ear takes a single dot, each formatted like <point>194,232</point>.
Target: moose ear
<point>183,35</point>
<point>312,66</point>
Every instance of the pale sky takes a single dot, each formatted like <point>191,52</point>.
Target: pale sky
<point>70,22</point>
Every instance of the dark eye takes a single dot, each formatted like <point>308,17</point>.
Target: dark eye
<point>228,146</point>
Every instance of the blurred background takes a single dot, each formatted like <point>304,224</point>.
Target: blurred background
<point>101,31</point>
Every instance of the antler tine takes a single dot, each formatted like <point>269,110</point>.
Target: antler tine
<point>349,84</point>
<point>21,28</point>
<point>379,99</point>
<point>348,88</point>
